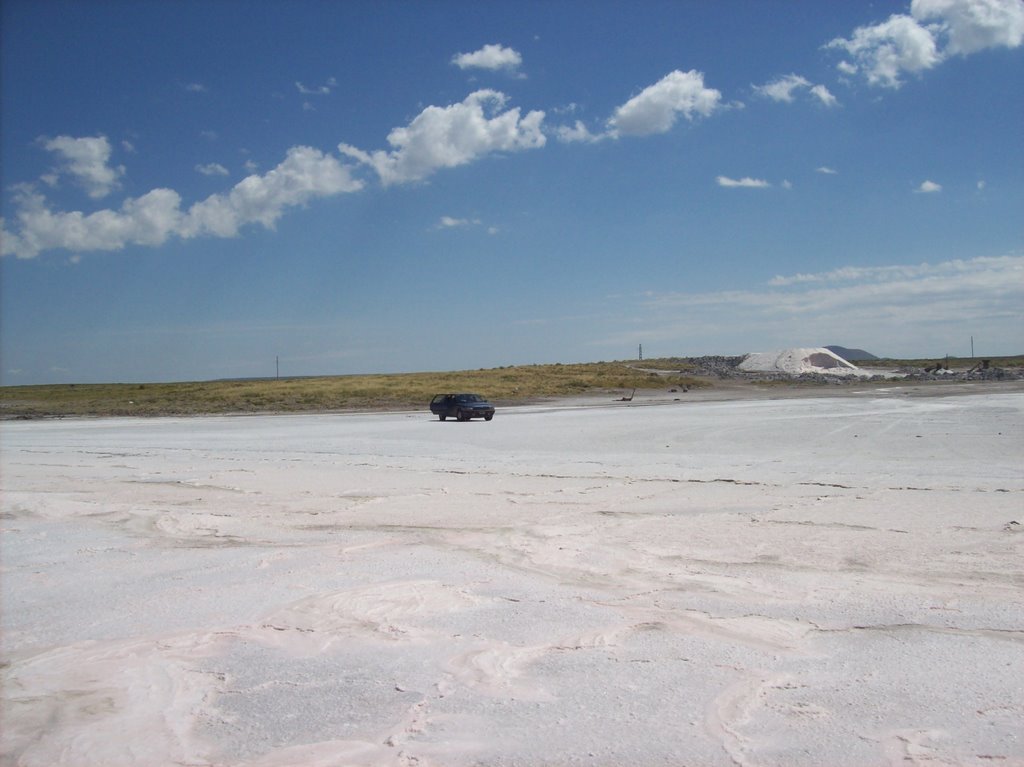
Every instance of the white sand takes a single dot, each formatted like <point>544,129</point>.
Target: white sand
<point>795,582</point>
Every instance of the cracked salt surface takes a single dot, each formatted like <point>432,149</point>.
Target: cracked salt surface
<point>796,582</point>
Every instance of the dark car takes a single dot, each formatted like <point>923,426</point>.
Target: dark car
<point>461,406</point>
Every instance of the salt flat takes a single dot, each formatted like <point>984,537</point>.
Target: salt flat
<point>817,581</point>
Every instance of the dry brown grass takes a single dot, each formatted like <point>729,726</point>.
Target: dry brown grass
<point>503,386</point>
<point>360,392</point>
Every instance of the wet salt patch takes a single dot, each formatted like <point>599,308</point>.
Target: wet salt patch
<point>391,610</point>
<point>274,701</point>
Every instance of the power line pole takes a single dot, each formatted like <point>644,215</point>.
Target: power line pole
<point>277,367</point>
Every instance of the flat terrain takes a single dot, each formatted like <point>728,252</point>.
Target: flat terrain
<point>683,378</point>
<point>699,578</point>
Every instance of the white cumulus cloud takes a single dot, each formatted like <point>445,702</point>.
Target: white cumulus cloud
<point>489,57</point>
<point>446,137</point>
<point>974,25</point>
<point>886,51</point>
<point>929,187</point>
<point>146,220</point>
<point>87,160</point>
<point>934,31</point>
<point>304,174</point>
<point>657,107</point>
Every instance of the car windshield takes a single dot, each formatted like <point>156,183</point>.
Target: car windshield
<point>470,398</point>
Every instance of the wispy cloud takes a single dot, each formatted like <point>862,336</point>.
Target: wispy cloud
<point>212,169</point>
<point>317,90</point>
<point>578,132</point>
<point>896,310</point>
<point>929,187</point>
<point>902,272</point>
<point>783,88</point>
<point>786,88</point>
<point>824,169</point>
<point>822,94</point>
<point>450,222</point>
<point>743,183</point>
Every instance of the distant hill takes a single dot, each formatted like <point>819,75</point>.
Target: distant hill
<point>851,355</point>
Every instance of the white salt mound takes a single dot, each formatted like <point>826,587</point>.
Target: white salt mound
<point>797,361</point>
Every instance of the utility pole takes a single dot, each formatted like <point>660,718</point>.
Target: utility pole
<point>641,352</point>
<point>972,347</point>
<point>277,367</point>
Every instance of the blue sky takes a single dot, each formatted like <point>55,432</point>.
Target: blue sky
<point>191,190</point>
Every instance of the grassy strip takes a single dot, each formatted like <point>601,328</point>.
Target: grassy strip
<point>505,385</point>
<point>359,392</point>
<point>957,364</point>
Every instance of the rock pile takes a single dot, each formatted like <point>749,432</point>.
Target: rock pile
<point>716,365</point>
<point>944,374</point>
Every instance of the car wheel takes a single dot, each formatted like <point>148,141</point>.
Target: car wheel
<point>461,416</point>
<point>442,416</point>
<point>489,417</point>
